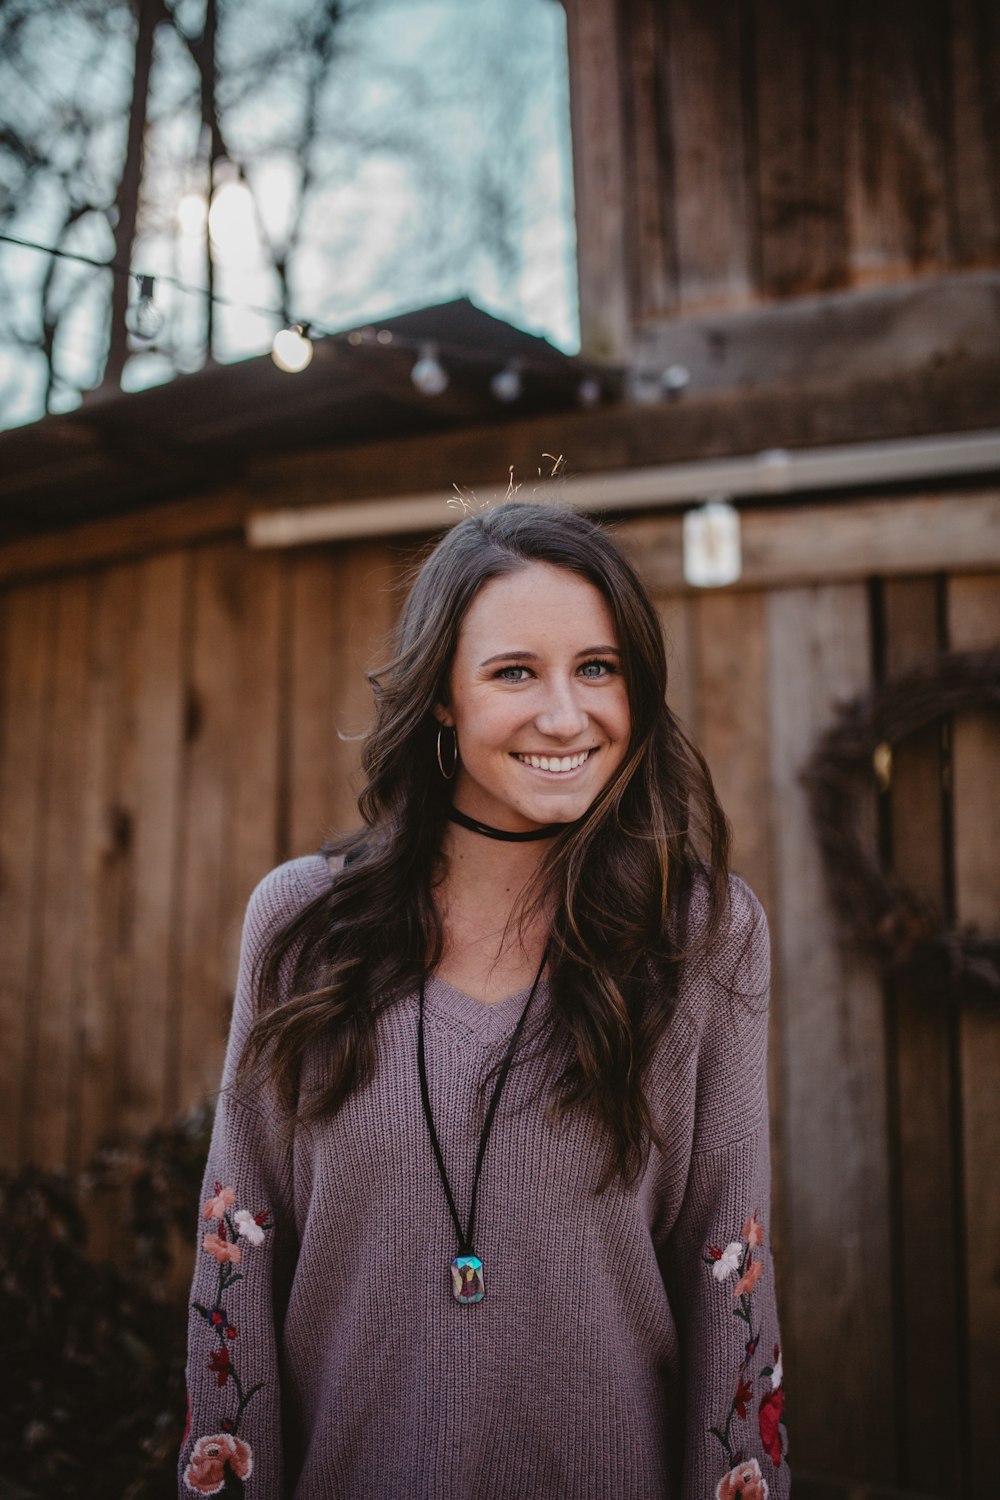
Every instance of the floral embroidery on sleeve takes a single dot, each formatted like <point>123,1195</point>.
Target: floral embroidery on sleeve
<point>744,1480</point>
<point>222,1461</point>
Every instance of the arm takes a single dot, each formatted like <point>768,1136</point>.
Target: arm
<point>717,1258</point>
<point>245,1259</point>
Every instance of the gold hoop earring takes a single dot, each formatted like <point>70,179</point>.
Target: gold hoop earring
<point>448,775</point>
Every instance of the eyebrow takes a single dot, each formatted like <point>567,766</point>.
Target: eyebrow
<point>533,655</point>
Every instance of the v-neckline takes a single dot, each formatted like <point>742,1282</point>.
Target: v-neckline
<point>490,1022</point>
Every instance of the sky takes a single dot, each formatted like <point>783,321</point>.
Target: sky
<point>441,168</point>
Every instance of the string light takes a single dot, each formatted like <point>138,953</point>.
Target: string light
<point>293,345</point>
<point>675,379</point>
<point>143,318</point>
<point>429,375</point>
<point>506,384</point>
<point>231,221</point>
<point>292,349</point>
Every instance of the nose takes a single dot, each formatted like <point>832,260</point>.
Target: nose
<point>562,716</point>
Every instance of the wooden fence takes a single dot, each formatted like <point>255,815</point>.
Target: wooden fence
<point>172,727</point>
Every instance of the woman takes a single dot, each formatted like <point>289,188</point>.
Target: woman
<point>488,1189</point>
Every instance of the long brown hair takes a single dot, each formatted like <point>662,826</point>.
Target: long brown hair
<point>621,877</point>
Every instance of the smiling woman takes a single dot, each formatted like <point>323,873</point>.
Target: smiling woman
<point>542,726</point>
<point>494,1105</point>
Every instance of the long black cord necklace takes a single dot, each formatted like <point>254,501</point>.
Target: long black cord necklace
<point>467,1268</point>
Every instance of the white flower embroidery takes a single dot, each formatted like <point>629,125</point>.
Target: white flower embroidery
<point>248,1226</point>
<point>776,1374</point>
<point>728,1261</point>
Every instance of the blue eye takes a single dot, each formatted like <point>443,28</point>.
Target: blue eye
<point>604,668</point>
<point>504,674</point>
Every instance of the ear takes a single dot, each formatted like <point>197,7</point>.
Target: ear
<point>443,715</point>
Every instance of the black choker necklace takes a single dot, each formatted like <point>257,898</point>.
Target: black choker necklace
<point>548,832</point>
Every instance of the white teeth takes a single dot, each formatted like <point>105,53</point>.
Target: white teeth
<point>555,762</point>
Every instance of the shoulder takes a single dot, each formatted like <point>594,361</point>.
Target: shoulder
<point>283,892</point>
<point>736,954</point>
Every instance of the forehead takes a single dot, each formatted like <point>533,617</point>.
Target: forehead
<point>538,599</point>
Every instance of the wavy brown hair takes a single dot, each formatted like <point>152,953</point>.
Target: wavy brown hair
<point>620,879</point>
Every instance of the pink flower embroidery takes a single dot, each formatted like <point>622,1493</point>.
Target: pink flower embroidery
<point>750,1278</point>
<point>222,1249</point>
<point>745,1482</point>
<point>216,1207</point>
<point>210,1457</point>
<point>753,1232</point>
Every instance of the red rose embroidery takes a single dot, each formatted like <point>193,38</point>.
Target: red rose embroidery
<point>768,1418</point>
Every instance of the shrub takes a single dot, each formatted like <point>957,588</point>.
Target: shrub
<point>93,1400</point>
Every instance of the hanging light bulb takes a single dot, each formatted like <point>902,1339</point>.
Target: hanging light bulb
<point>192,213</point>
<point>506,384</point>
<point>292,349</point>
<point>143,318</point>
<point>232,224</point>
<point>428,374</point>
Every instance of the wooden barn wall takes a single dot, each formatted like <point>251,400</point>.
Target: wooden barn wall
<point>748,150</point>
<point>174,726</point>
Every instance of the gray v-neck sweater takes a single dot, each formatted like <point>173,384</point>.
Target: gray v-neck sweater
<point>627,1345</point>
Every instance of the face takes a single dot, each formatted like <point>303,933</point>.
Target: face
<point>537,700</point>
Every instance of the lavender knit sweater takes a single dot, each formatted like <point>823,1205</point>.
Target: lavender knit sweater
<point>627,1347</point>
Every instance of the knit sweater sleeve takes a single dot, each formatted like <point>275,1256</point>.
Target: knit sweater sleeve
<point>717,1257</point>
<point>246,1251</point>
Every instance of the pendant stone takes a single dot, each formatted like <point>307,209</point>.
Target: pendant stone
<point>467,1278</point>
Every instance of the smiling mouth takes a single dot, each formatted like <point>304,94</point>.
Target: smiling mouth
<point>558,763</point>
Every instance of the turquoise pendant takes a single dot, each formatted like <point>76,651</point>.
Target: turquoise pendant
<point>467,1278</point>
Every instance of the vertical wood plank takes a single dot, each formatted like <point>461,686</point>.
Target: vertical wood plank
<point>831,1104</point>
<point>106,873</point>
<point>676,616</point>
<point>203,991</point>
<point>314,668</point>
<point>731,647</point>
<point>256,768</point>
<point>897,126</point>
<point>230,820</point>
<point>926,1191</point>
<point>707,128</point>
<point>366,605</point>
<point>342,606</point>
<point>974,142</point>
<point>28,643</point>
<point>598,176</point>
<point>152,790</point>
<point>974,624</point>
<point>649,163</point>
<point>51,1084</point>
<point>731,634</point>
<point>800,69</point>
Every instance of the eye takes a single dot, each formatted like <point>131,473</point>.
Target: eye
<point>511,674</point>
<point>598,668</point>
